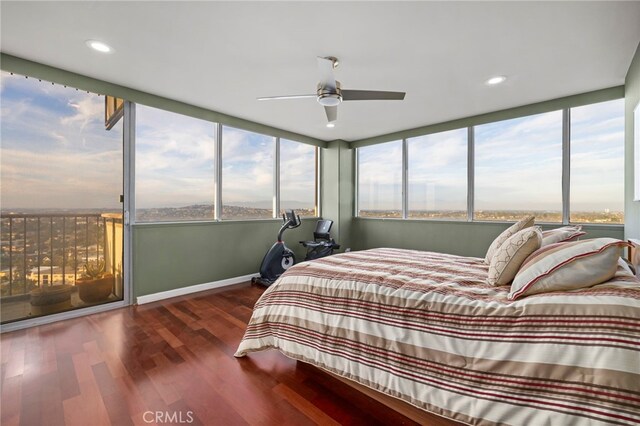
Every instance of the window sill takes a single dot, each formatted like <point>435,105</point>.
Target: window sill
<point>494,222</point>
<point>217,222</point>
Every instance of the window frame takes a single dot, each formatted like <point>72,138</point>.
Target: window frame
<point>563,143</point>
<point>130,110</point>
<point>218,182</point>
<point>565,173</point>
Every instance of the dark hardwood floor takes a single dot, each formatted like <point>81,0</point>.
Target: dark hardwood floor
<point>169,362</point>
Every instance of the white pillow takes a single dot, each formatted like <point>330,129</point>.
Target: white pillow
<point>568,266</point>
<point>508,258</point>
<point>563,234</point>
<point>500,239</point>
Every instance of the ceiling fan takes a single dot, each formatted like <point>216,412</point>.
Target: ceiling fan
<point>329,94</point>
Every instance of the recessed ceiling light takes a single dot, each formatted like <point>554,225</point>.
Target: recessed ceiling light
<point>99,46</point>
<point>331,125</point>
<point>496,80</point>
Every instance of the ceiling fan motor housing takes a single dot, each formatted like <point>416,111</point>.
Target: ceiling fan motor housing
<point>328,96</point>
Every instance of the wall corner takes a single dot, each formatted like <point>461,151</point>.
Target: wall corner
<point>632,98</point>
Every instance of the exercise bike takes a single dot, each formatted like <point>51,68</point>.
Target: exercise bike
<point>279,258</point>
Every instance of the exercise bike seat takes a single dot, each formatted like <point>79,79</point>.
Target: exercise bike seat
<point>322,244</point>
<point>314,244</point>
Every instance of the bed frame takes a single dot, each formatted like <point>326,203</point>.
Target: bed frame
<point>414,413</point>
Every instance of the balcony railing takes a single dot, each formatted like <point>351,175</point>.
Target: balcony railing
<point>44,249</point>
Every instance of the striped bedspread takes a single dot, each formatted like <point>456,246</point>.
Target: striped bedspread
<point>426,328</point>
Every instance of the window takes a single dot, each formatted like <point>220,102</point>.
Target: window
<point>175,166</point>
<point>380,180</point>
<point>518,168</point>
<point>597,163</point>
<point>298,171</point>
<point>437,174</point>
<point>247,174</point>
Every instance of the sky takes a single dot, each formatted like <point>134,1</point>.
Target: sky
<point>438,171</point>
<point>55,152</point>
<point>518,165</point>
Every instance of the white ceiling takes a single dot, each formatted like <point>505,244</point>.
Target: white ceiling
<point>222,55</point>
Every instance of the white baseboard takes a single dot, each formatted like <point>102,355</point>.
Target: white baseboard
<point>141,300</point>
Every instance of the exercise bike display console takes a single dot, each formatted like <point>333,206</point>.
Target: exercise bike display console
<point>279,258</point>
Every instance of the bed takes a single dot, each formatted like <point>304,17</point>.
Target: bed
<point>427,329</point>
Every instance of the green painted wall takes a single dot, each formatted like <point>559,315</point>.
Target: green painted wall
<point>462,238</point>
<point>346,194</point>
<point>175,255</point>
<point>337,190</point>
<point>632,97</point>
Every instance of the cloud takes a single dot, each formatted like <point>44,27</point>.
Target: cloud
<point>297,172</point>
<point>175,159</point>
<point>87,110</point>
<point>54,153</point>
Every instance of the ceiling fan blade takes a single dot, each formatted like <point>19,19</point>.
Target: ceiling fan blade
<point>371,95</point>
<point>272,98</point>
<point>332,113</point>
<point>327,80</point>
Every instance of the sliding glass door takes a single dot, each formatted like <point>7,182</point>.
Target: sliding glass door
<point>61,199</point>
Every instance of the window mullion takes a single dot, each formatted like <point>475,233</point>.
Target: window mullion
<point>470,172</point>
<point>129,138</point>
<point>276,179</point>
<point>218,172</point>
<point>318,176</point>
<point>405,179</point>
<point>356,186</point>
<point>566,165</point>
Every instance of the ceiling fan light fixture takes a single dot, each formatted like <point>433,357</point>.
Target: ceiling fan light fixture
<point>329,99</point>
<point>331,125</point>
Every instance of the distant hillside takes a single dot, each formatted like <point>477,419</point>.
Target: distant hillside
<point>206,212</point>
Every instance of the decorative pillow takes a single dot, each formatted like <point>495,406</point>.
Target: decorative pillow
<point>568,266</point>
<point>560,235</point>
<point>508,258</point>
<point>527,222</point>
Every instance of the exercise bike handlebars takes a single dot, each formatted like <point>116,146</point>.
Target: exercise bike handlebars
<point>290,220</point>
